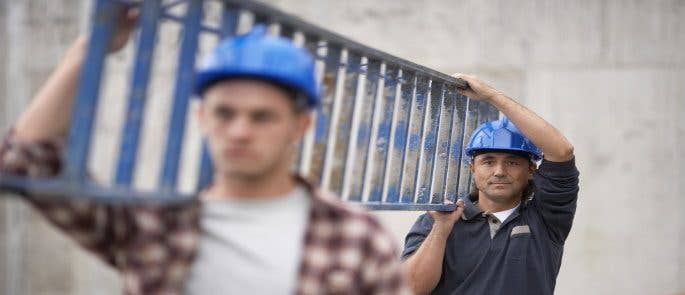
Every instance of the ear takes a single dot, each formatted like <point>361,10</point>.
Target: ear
<point>471,167</point>
<point>531,169</point>
<point>201,112</point>
<point>304,121</point>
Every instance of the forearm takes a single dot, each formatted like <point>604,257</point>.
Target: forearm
<point>552,143</point>
<point>48,115</point>
<point>424,267</point>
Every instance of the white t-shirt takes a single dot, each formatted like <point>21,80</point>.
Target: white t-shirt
<point>250,246</point>
<point>503,215</point>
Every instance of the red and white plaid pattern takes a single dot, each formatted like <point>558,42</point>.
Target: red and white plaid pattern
<point>153,246</point>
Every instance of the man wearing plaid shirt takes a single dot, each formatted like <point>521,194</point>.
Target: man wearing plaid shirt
<point>256,228</point>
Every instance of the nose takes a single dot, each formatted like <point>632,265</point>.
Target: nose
<point>239,129</point>
<point>499,170</point>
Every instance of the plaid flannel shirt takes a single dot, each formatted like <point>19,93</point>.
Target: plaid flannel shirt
<point>346,251</point>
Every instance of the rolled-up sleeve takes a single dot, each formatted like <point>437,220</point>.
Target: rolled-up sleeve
<point>416,235</point>
<point>90,224</point>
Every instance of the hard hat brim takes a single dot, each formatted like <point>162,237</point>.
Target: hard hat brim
<point>206,79</point>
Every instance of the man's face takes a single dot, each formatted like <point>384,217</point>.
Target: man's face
<point>501,177</point>
<point>251,128</point>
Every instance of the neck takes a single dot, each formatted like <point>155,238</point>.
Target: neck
<point>489,205</point>
<point>228,187</point>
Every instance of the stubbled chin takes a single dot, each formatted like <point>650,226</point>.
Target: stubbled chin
<point>500,195</point>
<point>242,174</point>
<point>242,167</point>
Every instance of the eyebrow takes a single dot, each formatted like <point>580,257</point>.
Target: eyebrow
<point>510,157</point>
<point>249,111</point>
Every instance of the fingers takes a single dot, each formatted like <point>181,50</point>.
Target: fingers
<point>465,84</point>
<point>444,221</point>
<point>126,23</point>
<point>457,210</point>
<point>465,77</point>
<point>459,202</point>
<point>132,14</point>
<point>129,18</point>
<point>460,207</point>
<point>477,89</point>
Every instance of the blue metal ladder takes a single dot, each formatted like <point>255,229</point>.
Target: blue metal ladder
<point>388,135</point>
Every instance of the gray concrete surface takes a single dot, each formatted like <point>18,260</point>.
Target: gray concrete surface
<point>610,74</point>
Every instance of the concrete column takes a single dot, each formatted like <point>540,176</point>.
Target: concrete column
<point>34,257</point>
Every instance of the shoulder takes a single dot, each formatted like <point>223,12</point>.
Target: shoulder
<point>556,177</point>
<point>558,169</point>
<point>349,224</point>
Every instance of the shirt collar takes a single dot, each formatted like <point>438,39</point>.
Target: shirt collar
<point>471,210</point>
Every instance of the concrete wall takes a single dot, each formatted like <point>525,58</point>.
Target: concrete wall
<point>34,257</point>
<point>609,74</point>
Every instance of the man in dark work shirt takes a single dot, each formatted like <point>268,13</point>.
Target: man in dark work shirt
<point>506,236</point>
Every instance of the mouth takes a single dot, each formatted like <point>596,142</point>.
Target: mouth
<point>500,184</point>
<point>237,153</point>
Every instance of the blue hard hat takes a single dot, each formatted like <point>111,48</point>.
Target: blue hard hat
<point>258,55</point>
<point>501,135</point>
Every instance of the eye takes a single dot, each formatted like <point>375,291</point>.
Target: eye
<point>263,117</point>
<point>223,114</point>
<point>513,163</point>
<point>487,162</point>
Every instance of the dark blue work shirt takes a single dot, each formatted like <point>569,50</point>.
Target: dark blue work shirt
<point>524,255</point>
